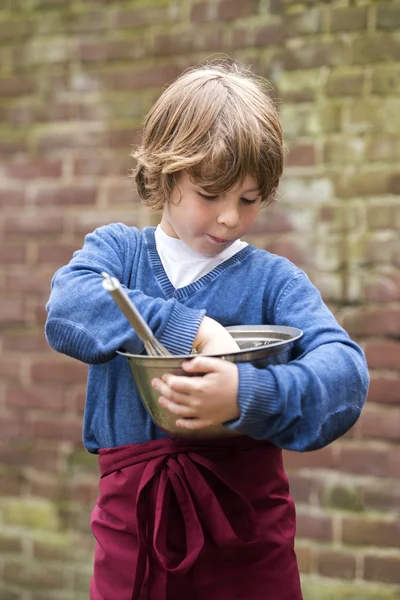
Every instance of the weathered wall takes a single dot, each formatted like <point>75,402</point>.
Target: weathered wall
<point>75,80</point>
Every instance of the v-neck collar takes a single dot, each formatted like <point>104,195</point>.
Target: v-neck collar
<point>183,292</point>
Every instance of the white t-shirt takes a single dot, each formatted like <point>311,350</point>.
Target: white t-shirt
<point>184,266</point>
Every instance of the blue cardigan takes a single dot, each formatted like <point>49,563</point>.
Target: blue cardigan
<point>303,405</point>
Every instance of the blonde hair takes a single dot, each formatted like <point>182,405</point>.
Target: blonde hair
<point>217,122</point>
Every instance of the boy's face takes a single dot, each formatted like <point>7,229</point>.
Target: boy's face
<point>209,224</point>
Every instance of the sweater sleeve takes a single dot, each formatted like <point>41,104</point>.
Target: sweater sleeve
<point>318,396</point>
<point>83,320</point>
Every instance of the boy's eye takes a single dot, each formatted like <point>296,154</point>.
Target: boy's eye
<point>207,197</point>
<point>247,201</point>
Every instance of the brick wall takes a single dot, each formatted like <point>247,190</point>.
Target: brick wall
<point>75,81</point>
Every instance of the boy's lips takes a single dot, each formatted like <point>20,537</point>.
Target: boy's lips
<point>218,240</point>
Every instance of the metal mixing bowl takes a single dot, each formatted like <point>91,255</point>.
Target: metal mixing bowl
<point>260,345</point>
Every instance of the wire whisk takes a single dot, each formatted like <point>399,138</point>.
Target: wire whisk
<point>152,346</point>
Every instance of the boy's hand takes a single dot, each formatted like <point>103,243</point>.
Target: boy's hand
<point>199,402</point>
<point>213,338</point>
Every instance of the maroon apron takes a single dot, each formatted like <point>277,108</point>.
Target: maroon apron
<point>194,520</point>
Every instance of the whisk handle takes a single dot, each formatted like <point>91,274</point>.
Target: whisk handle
<point>113,286</point>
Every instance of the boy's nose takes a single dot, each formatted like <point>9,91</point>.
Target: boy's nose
<point>228,217</point>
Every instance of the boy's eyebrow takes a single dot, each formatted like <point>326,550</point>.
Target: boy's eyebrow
<point>253,190</point>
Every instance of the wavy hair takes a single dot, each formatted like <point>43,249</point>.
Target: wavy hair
<point>219,123</point>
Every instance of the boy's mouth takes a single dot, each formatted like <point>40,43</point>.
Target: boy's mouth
<point>217,240</point>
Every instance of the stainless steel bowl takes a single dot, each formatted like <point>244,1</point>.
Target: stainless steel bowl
<point>260,345</point>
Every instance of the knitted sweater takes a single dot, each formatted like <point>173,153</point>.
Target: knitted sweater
<point>303,405</point>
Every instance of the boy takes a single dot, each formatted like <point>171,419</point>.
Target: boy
<point>207,519</point>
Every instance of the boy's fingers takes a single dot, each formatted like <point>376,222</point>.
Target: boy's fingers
<point>193,424</point>
<point>177,409</point>
<point>203,364</point>
<point>184,385</point>
<point>173,394</point>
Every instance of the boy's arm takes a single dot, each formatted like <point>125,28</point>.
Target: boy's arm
<point>317,397</point>
<point>83,319</point>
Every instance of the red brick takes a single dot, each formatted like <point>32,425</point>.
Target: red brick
<point>125,18</point>
<point>59,371</point>
<point>301,155</point>
<point>55,253</point>
<point>14,145</point>
<point>394,184</point>
<point>383,354</point>
<point>10,368</point>
<point>324,459</point>
<point>32,576</point>
<point>12,254</point>
<point>12,197</point>
<point>17,86</point>
<point>31,169</point>
<point>374,462</point>
<point>382,568</point>
<point>384,148</point>
<point>24,341</point>
<point>201,12</point>
<point>14,29</point>
<point>84,492</point>
<point>88,21</point>
<point>374,48</point>
<point>387,15</point>
<point>301,487</point>
<point>382,498</point>
<point>124,193</point>
<point>272,219</point>
<point>11,484</point>
<point>368,531</point>
<point>79,195</point>
<point>11,426</point>
<point>28,281</point>
<point>384,390</point>
<point>32,225</point>
<point>186,43</point>
<point>314,526</point>
<point>380,424</point>
<point>383,288</point>
<point>62,429</point>
<point>123,139</point>
<point>49,142</point>
<point>294,250</point>
<point>345,84</point>
<point>305,556</point>
<point>11,312</point>
<point>44,398</point>
<point>39,310</point>
<point>102,51</point>
<point>230,10</point>
<point>304,22</point>
<point>86,223</point>
<point>373,321</point>
<point>141,77</point>
<point>78,401</point>
<point>314,54</point>
<point>268,35</point>
<point>348,19</point>
<point>10,544</point>
<point>380,216</point>
<point>30,454</point>
<point>363,183</point>
<point>25,113</point>
<point>385,80</point>
<point>102,166</point>
<point>334,563</point>
<point>44,486</point>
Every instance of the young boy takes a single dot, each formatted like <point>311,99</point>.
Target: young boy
<point>179,519</point>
